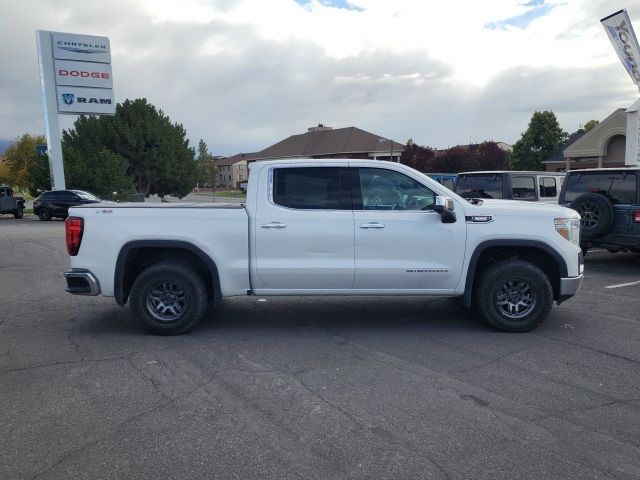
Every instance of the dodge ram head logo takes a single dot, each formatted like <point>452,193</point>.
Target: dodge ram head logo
<point>67,98</point>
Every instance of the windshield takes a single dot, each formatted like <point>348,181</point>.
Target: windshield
<point>479,186</point>
<point>86,195</point>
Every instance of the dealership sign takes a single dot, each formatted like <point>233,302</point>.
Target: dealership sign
<point>82,62</point>
<point>83,74</point>
<point>620,31</point>
<point>623,38</point>
<point>75,79</point>
<point>82,100</point>
<point>86,48</point>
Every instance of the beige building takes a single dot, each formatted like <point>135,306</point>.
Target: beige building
<point>602,146</point>
<point>232,171</point>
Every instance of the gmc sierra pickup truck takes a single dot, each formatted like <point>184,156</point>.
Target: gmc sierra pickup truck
<point>329,227</point>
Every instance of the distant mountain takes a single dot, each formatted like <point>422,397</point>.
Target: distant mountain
<point>4,144</point>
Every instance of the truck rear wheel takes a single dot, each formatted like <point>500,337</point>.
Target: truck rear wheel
<point>18,212</point>
<point>514,295</point>
<point>169,298</point>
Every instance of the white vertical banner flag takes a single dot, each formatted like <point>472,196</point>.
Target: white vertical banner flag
<point>620,31</point>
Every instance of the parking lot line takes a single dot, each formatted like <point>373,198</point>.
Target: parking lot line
<point>623,284</point>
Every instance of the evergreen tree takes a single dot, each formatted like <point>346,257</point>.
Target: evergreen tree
<point>158,155</point>
<point>541,140</point>
<point>103,173</point>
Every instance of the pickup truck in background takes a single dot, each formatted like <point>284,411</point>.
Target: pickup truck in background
<point>328,227</point>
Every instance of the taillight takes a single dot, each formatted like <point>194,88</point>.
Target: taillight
<point>636,216</point>
<point>74,226</point>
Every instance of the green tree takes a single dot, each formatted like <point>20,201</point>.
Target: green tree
<point>19,158</point>
<point>39,176</point>
<point>541,140</point>
<point>101,172</point>
<point>157,152</point>
<point>201,160</point>
<point>590,124</point>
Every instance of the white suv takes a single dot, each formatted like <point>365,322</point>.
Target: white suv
<point>529,186</point>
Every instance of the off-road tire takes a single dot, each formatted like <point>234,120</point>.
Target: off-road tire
<point>18,212</point>
<point>494,289</point>
<point>596,214</point>
<point>44,214</point>
<point>160,281</point>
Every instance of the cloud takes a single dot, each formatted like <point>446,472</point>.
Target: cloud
<point>243,74</point>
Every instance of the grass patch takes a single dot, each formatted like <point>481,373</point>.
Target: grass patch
<point>231,193</point>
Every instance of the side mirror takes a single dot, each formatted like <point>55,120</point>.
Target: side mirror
<point>445,207</point>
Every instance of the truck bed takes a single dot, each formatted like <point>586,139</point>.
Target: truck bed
<point>220,230</point>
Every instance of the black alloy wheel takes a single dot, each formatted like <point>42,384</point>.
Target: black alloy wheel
<point>514,295</point>
<point>169,298</point>
<point>44,214</point>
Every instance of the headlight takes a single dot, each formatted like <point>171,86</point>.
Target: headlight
<point>569,228</point>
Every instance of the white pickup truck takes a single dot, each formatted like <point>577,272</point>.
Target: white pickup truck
<point>328,227</point>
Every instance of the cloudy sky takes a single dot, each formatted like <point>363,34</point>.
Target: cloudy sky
<point>244,74</point>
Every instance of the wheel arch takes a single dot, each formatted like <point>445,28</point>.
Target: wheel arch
<point>539,253</point>
<point>137,255</point>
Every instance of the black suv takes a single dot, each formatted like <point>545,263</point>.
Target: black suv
<point>608,200</point>
<point>57,202</point>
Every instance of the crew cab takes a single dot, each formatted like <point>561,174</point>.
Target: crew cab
<point>328,227</point>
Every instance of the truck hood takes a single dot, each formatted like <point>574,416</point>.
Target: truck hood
<point>518,207</point>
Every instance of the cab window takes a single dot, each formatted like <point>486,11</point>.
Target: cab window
<point>382,189</point>
<point>548,187</point>
<point>480,186</point>
<point>309,188</point>
<point>523,188</point>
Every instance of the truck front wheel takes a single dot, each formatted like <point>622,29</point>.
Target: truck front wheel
<point>168,298</point>
<point>514,295</point>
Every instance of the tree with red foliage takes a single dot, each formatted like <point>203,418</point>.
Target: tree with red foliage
<point>482,156</point>
<point>453,160</point>
<point>417,157</point>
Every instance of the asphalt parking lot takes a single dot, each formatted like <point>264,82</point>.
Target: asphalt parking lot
<point>306,388</point>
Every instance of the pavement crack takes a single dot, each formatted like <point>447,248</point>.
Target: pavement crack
<point>115,430</point>
<point>55,364</point>
<point>582,409</point>
<point>75,344</point>
<point>591,349</point>
<point>491,361</point>
<point>151,380</point>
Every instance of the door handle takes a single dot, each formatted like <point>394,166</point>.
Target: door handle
<point>372,225</point>
<point>274,225</point>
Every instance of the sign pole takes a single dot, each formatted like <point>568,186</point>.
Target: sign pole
<point>50,109</point>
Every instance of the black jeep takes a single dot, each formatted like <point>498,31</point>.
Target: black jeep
<point>9,203</point>
<point>608,200</point>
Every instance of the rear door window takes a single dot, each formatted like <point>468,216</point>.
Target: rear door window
<point>479,186</point>
<point>309,188</point>
<point>548,187</point>
<point>523,188</point>
<point>617,187</point>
